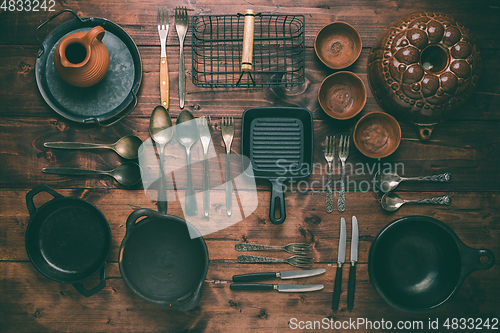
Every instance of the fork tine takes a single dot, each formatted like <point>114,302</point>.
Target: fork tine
<point>326,146</point>
<point>332,145</point>
<point>348,139</point>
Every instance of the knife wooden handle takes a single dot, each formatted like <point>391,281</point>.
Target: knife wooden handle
<point>337,288</point>
<point>351,286</point>
<point>164,84</point>
<point>253,277</point>
<point>251,286</point>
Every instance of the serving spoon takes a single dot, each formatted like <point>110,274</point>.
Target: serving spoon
<point>127,147</point>
<point>186,131</point>
<point>392,202</point>
<point>161,131</point>
<point>387,182</point>
<point>127,174</point>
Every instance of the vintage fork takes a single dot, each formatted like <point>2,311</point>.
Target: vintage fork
<point>329,156</point>
<point>296,261</point>
<point>181,24</point>
<point>343,153</point>
<point>227,131</point>
<point>205,130</point>
<point>292,248</point>
<point>163,32</point>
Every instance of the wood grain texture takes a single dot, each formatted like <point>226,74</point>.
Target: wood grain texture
<point>467,145</point>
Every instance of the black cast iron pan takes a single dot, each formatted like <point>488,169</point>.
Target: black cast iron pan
<point>68,239</point>
<point>163,259</point>
<point>417,263</point>
<point>278,142</point>
<point>108,101</point>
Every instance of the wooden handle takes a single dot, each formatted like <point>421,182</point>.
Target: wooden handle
<point>164,85</point>
<point>246,58</point>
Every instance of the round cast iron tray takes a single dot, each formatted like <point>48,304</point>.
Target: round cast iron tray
<point>108,101</point>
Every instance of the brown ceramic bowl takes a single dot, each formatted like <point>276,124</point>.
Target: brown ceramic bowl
<point>338,45</point>
<point>377,135</point>
<point>342,95</point>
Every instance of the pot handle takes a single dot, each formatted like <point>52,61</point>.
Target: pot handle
<point>277,195</point>
<point>189,301</point>
<point>137,214</point>
<point>96,32</point>
<point>40,188</point>
<point>120,115</point>
<point>42,48</point>
<point>102,283</point>
<point>471,259</point>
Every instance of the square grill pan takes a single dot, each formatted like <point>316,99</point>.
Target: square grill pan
<point>278,142</point>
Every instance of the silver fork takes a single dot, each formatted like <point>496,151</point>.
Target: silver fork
<point>163,32</point>
<point>181,24</point>
<point>292,248</point>
<point>296,261</point>
<point>205,130</point>
<point>343,153</point>
<point>329,156</point>
<point>227,131</point>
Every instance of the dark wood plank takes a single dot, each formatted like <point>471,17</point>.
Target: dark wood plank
<point>49,306</point>
<point>17,83</point>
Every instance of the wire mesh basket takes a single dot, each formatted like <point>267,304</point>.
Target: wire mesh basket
<point>278,51</point>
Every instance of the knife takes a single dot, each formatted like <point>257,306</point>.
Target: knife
<point>282,275</point>
<point>354,258</point>
<point>340,262</point>
<point>284,288</point>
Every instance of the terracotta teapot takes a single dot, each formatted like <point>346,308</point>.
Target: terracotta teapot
<point>81,59</point>
<point>423,67</point>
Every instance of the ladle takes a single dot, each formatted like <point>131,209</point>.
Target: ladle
<point>391,201</point>
<point>186,131</point>
<point>127,174</point>
<point>387,182</point>
<point>127,147</point>
<point>161,131</point>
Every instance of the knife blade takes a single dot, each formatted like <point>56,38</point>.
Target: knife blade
<point>340,262</point>
<point>282,275</point>
<point>351,287</point>
<point>284,288</point>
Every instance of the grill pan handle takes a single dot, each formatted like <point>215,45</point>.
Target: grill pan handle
<point>40,188</point>
<point>277,198</point>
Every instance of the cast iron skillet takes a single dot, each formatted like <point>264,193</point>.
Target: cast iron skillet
<point>68,239</point>
<point>108,101</point>
<point>278,142</point>
<point>417,263</point>
<point>163,259</point>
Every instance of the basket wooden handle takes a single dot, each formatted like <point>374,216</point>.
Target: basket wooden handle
<point>247,54</point>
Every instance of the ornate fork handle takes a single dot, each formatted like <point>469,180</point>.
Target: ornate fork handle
<point>329,191</point>
<point>247,259</point>
<point>444,200</point>
<point>255,247</point>
<point>444,177</point>
<point>341,200</point>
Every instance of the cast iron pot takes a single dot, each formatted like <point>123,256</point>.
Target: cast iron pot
<point>163,259</point>
<point>68,239</point>
<point>417,263</point>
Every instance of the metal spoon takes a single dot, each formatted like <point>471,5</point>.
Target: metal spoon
<point>127,174</point>
<point>186,131</point>
<point>127,147</point>
<point>387,182</point>
<point>161,131</point>
<point>391,201</point>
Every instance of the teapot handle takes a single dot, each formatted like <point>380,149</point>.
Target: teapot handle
<point>95,32</point>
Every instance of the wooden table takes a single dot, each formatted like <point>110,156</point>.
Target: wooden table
<point>467,146</point>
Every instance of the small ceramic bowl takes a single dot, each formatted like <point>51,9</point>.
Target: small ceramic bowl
<point>342,95</point>
<point>377,135</point>
<point>338,45</point>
